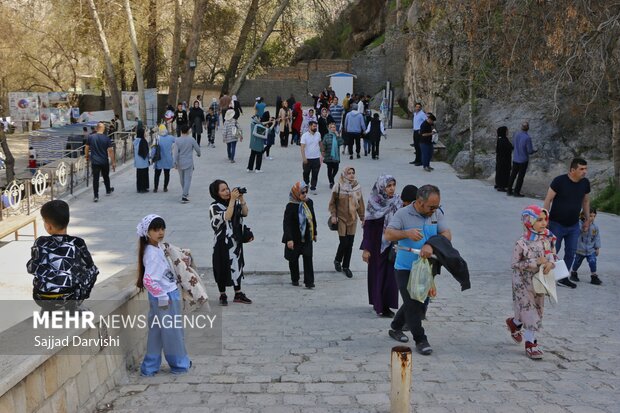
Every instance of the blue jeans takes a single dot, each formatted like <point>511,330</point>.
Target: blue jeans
<point>427,154</point>
<point>367,146</point>
<point>230,148</point>
<point>570,235</point>
<point>170,340</point>
<point>591,262</point>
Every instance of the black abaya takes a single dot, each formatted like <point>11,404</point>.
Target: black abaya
<point>503,162</point>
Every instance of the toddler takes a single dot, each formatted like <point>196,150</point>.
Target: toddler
<point>64,272</point>
<point>588,247</point>
<point>534,249</point>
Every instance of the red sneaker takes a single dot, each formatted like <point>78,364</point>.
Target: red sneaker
<point>515,332</point>
<point>533,351</point>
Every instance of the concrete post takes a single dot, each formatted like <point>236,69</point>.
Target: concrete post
<point>400,393</point>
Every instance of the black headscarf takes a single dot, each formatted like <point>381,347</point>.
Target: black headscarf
<point>265,117</point>
<point>214,191</point>
<point>502,132</point>
<point>143,147</point>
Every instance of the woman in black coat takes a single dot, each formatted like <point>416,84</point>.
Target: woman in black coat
<point>503,159</point>
<point>299,232</point>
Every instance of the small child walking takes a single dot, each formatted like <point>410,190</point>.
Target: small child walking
<point>63,269</point>
<point>588,247</point>
<point>155,274</point>
<point>534,249</point>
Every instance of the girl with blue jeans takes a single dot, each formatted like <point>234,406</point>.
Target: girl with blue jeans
<point>155,274</point>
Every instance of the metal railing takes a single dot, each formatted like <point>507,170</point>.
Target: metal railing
<point>56,179</point>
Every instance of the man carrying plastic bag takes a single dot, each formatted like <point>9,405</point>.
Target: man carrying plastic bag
<point>411,227</point>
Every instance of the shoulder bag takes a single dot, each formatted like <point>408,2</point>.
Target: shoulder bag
<point>330,224</point>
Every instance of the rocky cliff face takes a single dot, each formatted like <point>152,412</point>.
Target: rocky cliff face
<point>436,62</point>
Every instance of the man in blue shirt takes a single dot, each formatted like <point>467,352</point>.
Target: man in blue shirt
<point>419,116</point>
<point>99,150</point>
<point>336,110</point>
<point>411,227</point>
<point>520,158</point>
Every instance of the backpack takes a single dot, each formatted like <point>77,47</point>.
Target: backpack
<point>61,268</point>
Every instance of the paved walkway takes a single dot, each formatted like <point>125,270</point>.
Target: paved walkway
<point>296,350</point>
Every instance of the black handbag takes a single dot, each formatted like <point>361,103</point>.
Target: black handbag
<point>247,235</point>
<point>330,224</point>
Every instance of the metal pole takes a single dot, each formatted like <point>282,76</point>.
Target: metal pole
<point>71,187</point>
<point>400,392</point>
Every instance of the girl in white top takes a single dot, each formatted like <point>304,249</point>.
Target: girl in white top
<point>156,275</point>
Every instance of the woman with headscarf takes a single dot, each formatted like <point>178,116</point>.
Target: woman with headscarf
<point>258,139</point>
<point>141,161</point>
<point>345,205</point>
<point>299,232</point>
<point>298,117</point>
<point>503,159</point>
<point>284,119</point>
<point>237,107</point>
<point>196,120</point>
<point>226,214</point>
<point>382,288</point>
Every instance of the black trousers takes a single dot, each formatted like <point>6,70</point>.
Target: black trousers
<point>313,165</point>
<point>354,138</point>
<point>142,179</point>
<point>166,177</point>
<point>374,148</point>
<point>284,137</point>
<point>411,311</point>
<point>222,287</point>
<point>332,170</point>
<point>104,170</point>
<point>267,149</point>
<point>293,265</point>
<point>211,135</point>
<point>258,156</point>
<point>179,129</point>
<point>416,146</point>
<point>345,249</point>
<point>197,137</point>
<point>518,172</point>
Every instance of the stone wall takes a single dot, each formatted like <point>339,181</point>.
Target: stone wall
<point>71,383</point>
<point>299,80</point>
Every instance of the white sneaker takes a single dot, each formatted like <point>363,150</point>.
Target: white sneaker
<point>270,158</point>
<point>248,171</point>
<point>258,171</point>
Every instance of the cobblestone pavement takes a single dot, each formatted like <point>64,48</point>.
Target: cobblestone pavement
<point>296,350</point>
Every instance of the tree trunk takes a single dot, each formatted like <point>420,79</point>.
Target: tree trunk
<point>614,100</point>
<point>241,43</point>
<point>244,72</point>
<point>151,54</point>
<point>122,75</point>
<point>115,95</point>
<point>9,161</point>
<point>191,51</point>
<point>136,61</point>
<point>173,83</point>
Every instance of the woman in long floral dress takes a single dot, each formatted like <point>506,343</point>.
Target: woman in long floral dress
<point>535,248</point>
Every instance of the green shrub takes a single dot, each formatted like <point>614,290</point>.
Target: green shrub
<point>608,200</point>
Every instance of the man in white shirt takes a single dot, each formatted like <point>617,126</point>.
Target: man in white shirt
<point>419,116</point>
<point>311,154</point>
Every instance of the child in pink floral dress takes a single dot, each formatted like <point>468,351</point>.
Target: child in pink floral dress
<point>534,249</point>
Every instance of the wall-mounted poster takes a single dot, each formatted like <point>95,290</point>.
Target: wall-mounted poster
<point>24,106</point>
<point>45,114</point>
<point>131,107</point>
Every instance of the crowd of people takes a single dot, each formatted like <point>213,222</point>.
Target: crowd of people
<point>397,229</point>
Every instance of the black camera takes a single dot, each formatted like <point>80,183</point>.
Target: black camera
<point>242,190</point>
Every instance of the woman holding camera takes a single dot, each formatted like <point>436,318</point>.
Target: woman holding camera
<point>345,205</point>
<point>226,214</point>
<point>299,232</point>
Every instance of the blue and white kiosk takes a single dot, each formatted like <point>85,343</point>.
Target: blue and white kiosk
<point>341,83</point>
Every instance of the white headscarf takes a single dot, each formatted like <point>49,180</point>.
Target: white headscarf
<point>143,226</point>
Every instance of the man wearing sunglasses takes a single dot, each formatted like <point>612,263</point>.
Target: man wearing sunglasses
<point>411,227</point>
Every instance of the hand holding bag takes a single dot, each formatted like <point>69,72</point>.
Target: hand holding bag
<point>420,280</point>
<point>545,284</point>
